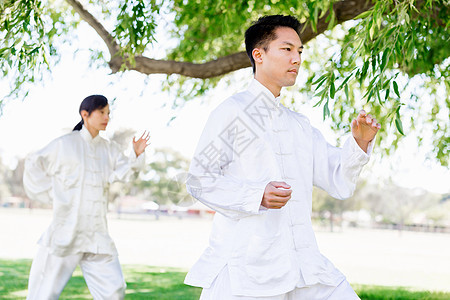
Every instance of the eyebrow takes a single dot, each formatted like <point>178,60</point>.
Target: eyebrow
<point>292,45</point>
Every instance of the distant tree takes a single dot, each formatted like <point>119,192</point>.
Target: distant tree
<point>158,181</point>
<point>11,182</point>
<point>164,177</point>
<point>15,180</point>
<point>4,188</point>
<point>395,204</point>
<point>439,213</point>
<point>330,209</point>
<point>387,204</point>
<point>116,190</point>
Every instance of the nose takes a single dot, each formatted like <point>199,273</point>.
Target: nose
<point>297,60</point>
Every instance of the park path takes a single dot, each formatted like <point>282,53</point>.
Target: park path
<point>379,257</point>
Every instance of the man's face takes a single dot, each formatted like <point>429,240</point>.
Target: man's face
<point>279,64</point>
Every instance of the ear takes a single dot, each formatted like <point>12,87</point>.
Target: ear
<point>257,54</point>
<point>84,114</point>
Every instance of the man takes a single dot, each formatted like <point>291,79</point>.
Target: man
<point>256,164</point>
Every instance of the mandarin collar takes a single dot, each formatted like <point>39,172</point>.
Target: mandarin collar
<point>256,88</point>
<point>86,135</point>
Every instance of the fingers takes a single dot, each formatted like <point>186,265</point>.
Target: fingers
<point>280,199</point>
<point>375,124</point>
<point>144,137</point>
<point>366,119</point>
<point>280,184</point>
<point>281,192</point>
<point>362,113</point>
<point>275,206</point>
<point>372,122</point>
<point>280,189</point>
<point>276,195</point>
<point>277,202</point>
<point>147,138</point>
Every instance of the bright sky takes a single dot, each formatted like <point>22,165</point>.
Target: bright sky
<point>52,110</point>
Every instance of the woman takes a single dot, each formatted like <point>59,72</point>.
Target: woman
<point>73,171</point>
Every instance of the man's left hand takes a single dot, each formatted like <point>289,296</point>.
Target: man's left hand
<point>364,129</point>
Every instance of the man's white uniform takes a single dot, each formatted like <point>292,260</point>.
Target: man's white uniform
<point>248,141</point>
<point>73,172</point>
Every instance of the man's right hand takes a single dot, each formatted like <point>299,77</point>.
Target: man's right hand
<point>276,195</point>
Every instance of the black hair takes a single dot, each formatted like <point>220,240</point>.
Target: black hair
<point>261,32</point>
<point>90,104</point>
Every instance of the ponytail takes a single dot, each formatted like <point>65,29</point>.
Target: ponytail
<point>78,126</point>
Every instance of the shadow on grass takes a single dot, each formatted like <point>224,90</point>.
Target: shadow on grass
<point>146,282</point>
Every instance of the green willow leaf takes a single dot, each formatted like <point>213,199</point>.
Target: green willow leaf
<point>384,59</point>
<point>321,78</point>
<point>345,82</point>
<point>394,84</point>
<point>398,124</point>
<point>364,15</point>
<point>332,90</point>
<point>326,110</point>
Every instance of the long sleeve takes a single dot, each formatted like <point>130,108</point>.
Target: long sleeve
<point>124,166</point>
<point>336,170</point>
<point>215,169</point>
<point>40,166</point>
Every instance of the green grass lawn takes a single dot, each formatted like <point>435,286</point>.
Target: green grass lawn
<point>145,282</point>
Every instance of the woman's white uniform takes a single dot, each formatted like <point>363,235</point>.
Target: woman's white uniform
<point>73,172</point>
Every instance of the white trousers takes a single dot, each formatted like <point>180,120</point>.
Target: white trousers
<point>49,275</point>
<point>221,290</point>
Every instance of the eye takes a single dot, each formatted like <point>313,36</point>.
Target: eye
<point>287,49</point>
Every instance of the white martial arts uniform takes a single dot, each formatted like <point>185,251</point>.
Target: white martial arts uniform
<point>248,141</point>
<point>73,172</point>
